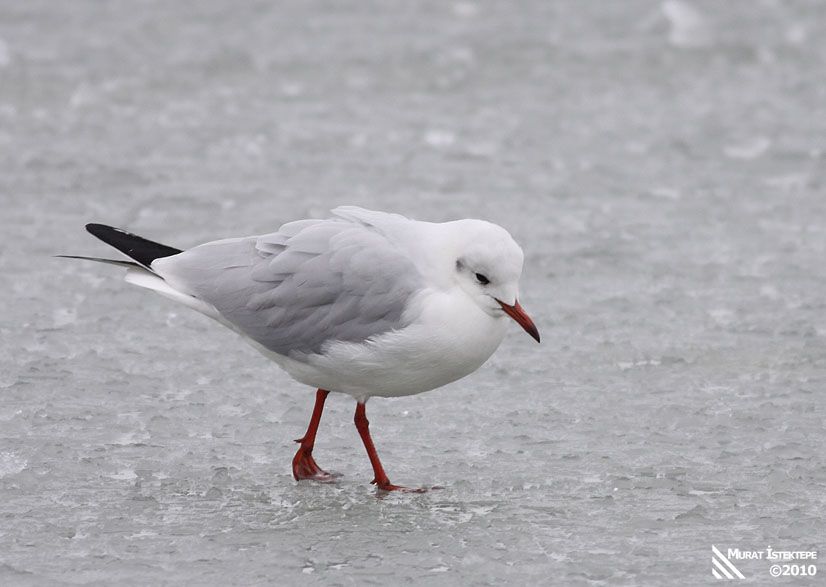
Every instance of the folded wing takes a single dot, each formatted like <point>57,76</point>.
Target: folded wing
<point>310,283</point>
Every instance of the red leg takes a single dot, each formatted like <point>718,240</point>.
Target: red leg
<point>304,466</point>
<point>380,479</point>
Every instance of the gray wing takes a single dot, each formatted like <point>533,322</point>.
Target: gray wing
<point>310,283</point>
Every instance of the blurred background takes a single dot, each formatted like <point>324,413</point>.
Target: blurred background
<point>662,164</point>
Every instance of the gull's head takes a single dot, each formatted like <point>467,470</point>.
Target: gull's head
<point>488,266</point>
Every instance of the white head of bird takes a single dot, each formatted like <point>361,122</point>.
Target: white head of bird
<point>487,267</point>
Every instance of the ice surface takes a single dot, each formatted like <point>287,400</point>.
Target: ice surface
<point>670,200</point>
<point>688,27</point>
<point>5,54</point>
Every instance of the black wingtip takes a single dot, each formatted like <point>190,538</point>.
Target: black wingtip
<point>120,263</point>
<point>142,250</point>
<point>96,229</point>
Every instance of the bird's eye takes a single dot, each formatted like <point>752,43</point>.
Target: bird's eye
<point>482,279</point>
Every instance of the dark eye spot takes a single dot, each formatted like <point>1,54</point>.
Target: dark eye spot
<point>482,279</point>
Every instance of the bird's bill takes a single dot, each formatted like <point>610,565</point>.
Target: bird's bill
<point>521,317</point>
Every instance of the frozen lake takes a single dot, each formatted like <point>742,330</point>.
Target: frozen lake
<point>662,164</point>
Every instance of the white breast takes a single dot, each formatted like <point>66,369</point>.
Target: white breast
<point>450,338</point>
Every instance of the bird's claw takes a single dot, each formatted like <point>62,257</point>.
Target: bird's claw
<point>305,467</point>
<point>387,487</point>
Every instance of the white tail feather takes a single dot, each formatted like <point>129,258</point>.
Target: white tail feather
<point>145,278</point>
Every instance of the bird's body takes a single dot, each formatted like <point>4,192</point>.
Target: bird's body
<point>365,303</point>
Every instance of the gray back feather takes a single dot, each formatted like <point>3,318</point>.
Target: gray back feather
<point>310,283</point>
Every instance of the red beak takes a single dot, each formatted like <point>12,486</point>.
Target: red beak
<point>521,317</point>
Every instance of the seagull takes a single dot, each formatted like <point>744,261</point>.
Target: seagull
<point>363,302</point>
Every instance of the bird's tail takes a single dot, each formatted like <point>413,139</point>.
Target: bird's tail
<point>142,250</point>
<point>140,273</point>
